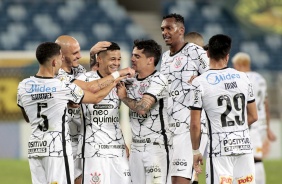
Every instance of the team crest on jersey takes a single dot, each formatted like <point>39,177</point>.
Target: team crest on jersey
<point>142,88</point>
<point>95,178</point>
<point>177,62</point>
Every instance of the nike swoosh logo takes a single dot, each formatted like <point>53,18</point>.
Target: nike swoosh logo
<point>181,169</point>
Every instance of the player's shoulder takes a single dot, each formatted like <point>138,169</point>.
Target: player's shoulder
<point>159,76</point>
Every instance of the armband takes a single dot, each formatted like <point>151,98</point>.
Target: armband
<point>196,152</point>
<point>115,74</point>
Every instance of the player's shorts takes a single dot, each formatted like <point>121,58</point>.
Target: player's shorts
<point>231,169</point>
<point>149,163</point>
<point>258,136</point>
<point>181,158</point>
<point>106,170</point>
<point>51,169</point>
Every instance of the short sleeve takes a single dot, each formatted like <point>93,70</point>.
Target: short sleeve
<point>195,96</point>
<point>19,100</point>
<point>76,94</point>
<point>158,87</point>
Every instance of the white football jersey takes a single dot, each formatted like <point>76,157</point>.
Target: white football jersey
<point>101,132</point>
<point>72,113</point>
<point>224,95</point>
<point>153,126</point>
<point>260,92</point>
<point>190,61</point>
<point>45,103</point>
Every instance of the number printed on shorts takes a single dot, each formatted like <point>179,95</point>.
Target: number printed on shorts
<point>43,126</point>
<point>237,103</point>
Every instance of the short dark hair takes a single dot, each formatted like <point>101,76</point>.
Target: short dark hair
<point>219,46</point>
<point>178,18</point>
<point>151,49</point>
<point>113,46</point>
<point>46,50</point>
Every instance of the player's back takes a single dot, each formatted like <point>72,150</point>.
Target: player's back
<point>45,102</point>
<point>225,94</point>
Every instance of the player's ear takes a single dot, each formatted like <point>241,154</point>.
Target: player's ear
<point>54,62</point>
<point>151,61</point>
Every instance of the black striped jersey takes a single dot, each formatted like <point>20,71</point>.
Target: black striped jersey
<point>101,132</point>
<point>151,127</point>
<point>224,95</point>
<point>45,103</point>
<point>73,114</point>
<point>260,92</point>
<point>191,60</point>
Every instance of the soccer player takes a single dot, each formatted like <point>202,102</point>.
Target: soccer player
<point>194,37</point>
<point>258,131</point>
<point>69,71</point>
<point>146,97</point>
<point>43,100</point>
<point>197,38</point>
<point>179,64</point>
<point>227,97</point>
<point>102,147</point>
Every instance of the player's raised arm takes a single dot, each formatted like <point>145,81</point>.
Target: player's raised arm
<point>99,84</point>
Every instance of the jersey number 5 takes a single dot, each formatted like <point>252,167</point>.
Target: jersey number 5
<point>239,105</point>
<point>42,126</point>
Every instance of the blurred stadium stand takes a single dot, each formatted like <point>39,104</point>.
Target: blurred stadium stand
<point>25,23</point>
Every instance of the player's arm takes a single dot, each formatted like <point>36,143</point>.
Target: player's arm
<point>270,135</point>
<point>252,114</point>
<point>195,134</point>
<point>99,84</point>
<point>97,97</point>
<point>24,114</point>
<point>140,106</point>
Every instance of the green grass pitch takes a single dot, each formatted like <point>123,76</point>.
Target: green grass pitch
<point>17,171</point>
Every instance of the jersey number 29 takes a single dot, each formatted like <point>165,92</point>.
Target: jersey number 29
<point>229,106</point>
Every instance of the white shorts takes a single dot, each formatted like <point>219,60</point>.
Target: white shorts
<point>258,136</point>
<point>230,169</point>
<point>150,165</point>
<point>181,163</point>
<point>51,170</point>
<point>98,170</point>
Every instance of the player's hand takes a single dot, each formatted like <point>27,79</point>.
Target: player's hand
<point>73,105</point>
<point>129,72</point>
<point>191,79</point>
<point>100,46</point>
<point>270,135</point>
<point>197,161</point>
<point>121,90</point>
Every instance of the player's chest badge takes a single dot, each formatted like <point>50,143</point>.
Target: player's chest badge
<point>177,62</point>
<point>142,88</point>
<point>95,178</point>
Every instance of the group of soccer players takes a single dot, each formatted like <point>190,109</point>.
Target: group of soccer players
<point>74,114</point>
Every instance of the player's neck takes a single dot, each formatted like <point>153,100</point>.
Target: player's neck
<point>218,64</point>
<point>145,73</point>
<point>45,72</point>
<point>66,69</point>
<point>176,47</point>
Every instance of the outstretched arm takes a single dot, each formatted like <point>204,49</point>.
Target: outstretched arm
<point>99,84</point>
<point>97,97</point>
